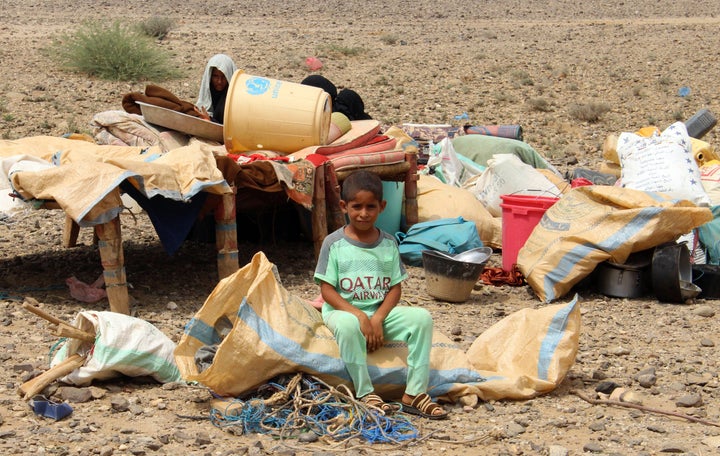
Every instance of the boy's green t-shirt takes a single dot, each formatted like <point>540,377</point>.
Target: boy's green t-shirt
<point>361,273</point>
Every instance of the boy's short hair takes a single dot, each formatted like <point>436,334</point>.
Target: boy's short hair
<point>359,181</point>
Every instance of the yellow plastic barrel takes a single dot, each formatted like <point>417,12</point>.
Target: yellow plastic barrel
<point>270,114</point>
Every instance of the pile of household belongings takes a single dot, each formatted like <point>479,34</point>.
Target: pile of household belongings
<point>128,127</point>
<point>660,198</point>
<point>465,170</point>
<point>441,195</point>
<point>262,172</point>
<point>170,174</point>
<point>367,143</point>
<point>665,191</point>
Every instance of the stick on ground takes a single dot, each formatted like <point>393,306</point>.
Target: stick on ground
<point>643,408</point>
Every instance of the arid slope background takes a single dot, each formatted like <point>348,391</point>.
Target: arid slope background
<point>528,63</point>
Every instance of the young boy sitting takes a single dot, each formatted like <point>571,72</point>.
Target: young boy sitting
<point>360,275</point>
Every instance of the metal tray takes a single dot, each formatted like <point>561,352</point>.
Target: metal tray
<point>193,126</point>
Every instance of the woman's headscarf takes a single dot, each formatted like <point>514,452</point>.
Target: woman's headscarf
<point>208,97</point>
<point>321,82</point>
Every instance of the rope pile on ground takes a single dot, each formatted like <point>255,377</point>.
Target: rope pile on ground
<point>305,404</point>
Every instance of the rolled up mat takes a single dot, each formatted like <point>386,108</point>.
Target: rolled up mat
<point>503,131</point>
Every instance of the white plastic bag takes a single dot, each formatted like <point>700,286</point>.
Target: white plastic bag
<point>9,166</point>
<point>710,174</point>
<point>449,166</point>
<point>508,175</point>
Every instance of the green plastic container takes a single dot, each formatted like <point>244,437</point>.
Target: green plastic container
<point>390,219</point>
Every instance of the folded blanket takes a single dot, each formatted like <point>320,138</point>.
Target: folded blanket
<point>158,96</point>
<point>502,131</point>
<point>124,129</point>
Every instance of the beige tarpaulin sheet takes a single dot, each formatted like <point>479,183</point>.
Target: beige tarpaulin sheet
<point>272,332</point>
<point>592,224</point>
<point>83,177</point>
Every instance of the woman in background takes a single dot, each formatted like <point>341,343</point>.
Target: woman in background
<point>346,105</point>
<point>347,101</point>
<point>321,82</point>
<point>214,88</point>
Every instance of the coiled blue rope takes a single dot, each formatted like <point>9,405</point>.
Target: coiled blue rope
<point>310,405</point>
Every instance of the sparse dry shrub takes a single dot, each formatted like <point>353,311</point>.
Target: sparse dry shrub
<point>389,39</point>
<point>156,26</point>
<point>588,112</point>
<point>540,104</point>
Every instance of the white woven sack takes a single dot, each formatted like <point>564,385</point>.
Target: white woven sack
<point>124,345</point>
<point>662,163</point>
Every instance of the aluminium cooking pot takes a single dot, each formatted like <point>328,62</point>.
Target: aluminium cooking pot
<point>625,280</point>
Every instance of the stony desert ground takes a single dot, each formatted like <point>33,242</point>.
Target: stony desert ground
<point>528,63</point>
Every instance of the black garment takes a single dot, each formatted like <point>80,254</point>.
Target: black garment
<point>321,82</point>
<point>218,105</point>
<point>349,103</point>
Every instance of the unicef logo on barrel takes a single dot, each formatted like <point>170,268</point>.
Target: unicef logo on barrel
<point>257,85</point>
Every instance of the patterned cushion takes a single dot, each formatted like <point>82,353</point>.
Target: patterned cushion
<point>362,131</point>
<point>381,151</point>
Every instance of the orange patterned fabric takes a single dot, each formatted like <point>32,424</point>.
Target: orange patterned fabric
<point>498,276</point>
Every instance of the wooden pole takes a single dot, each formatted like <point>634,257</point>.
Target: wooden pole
<point>226,235</point>
<point>28,305</point>
<point>319,210</point>
<point>72,332</point>
<point>33,386</point>
<point>335,216</point>
<point>62,328</point>
<point>70,233</point>
<point>411,178</point>
<point>644,408</point>
<point>113,262</point>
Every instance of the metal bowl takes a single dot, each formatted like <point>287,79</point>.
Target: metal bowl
<point>174,120</point>
<point>450,279</point>
<point>476,256</point>
<point>689,290</point>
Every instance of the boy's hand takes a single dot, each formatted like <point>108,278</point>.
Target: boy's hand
<point>377,339</point>
<point>366,327</point>
<point>371,328</point>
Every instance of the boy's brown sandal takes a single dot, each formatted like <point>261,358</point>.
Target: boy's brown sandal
<point>375,401</point>
<point>423,406</point>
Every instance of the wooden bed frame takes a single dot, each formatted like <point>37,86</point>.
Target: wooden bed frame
<point>326,216</point>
